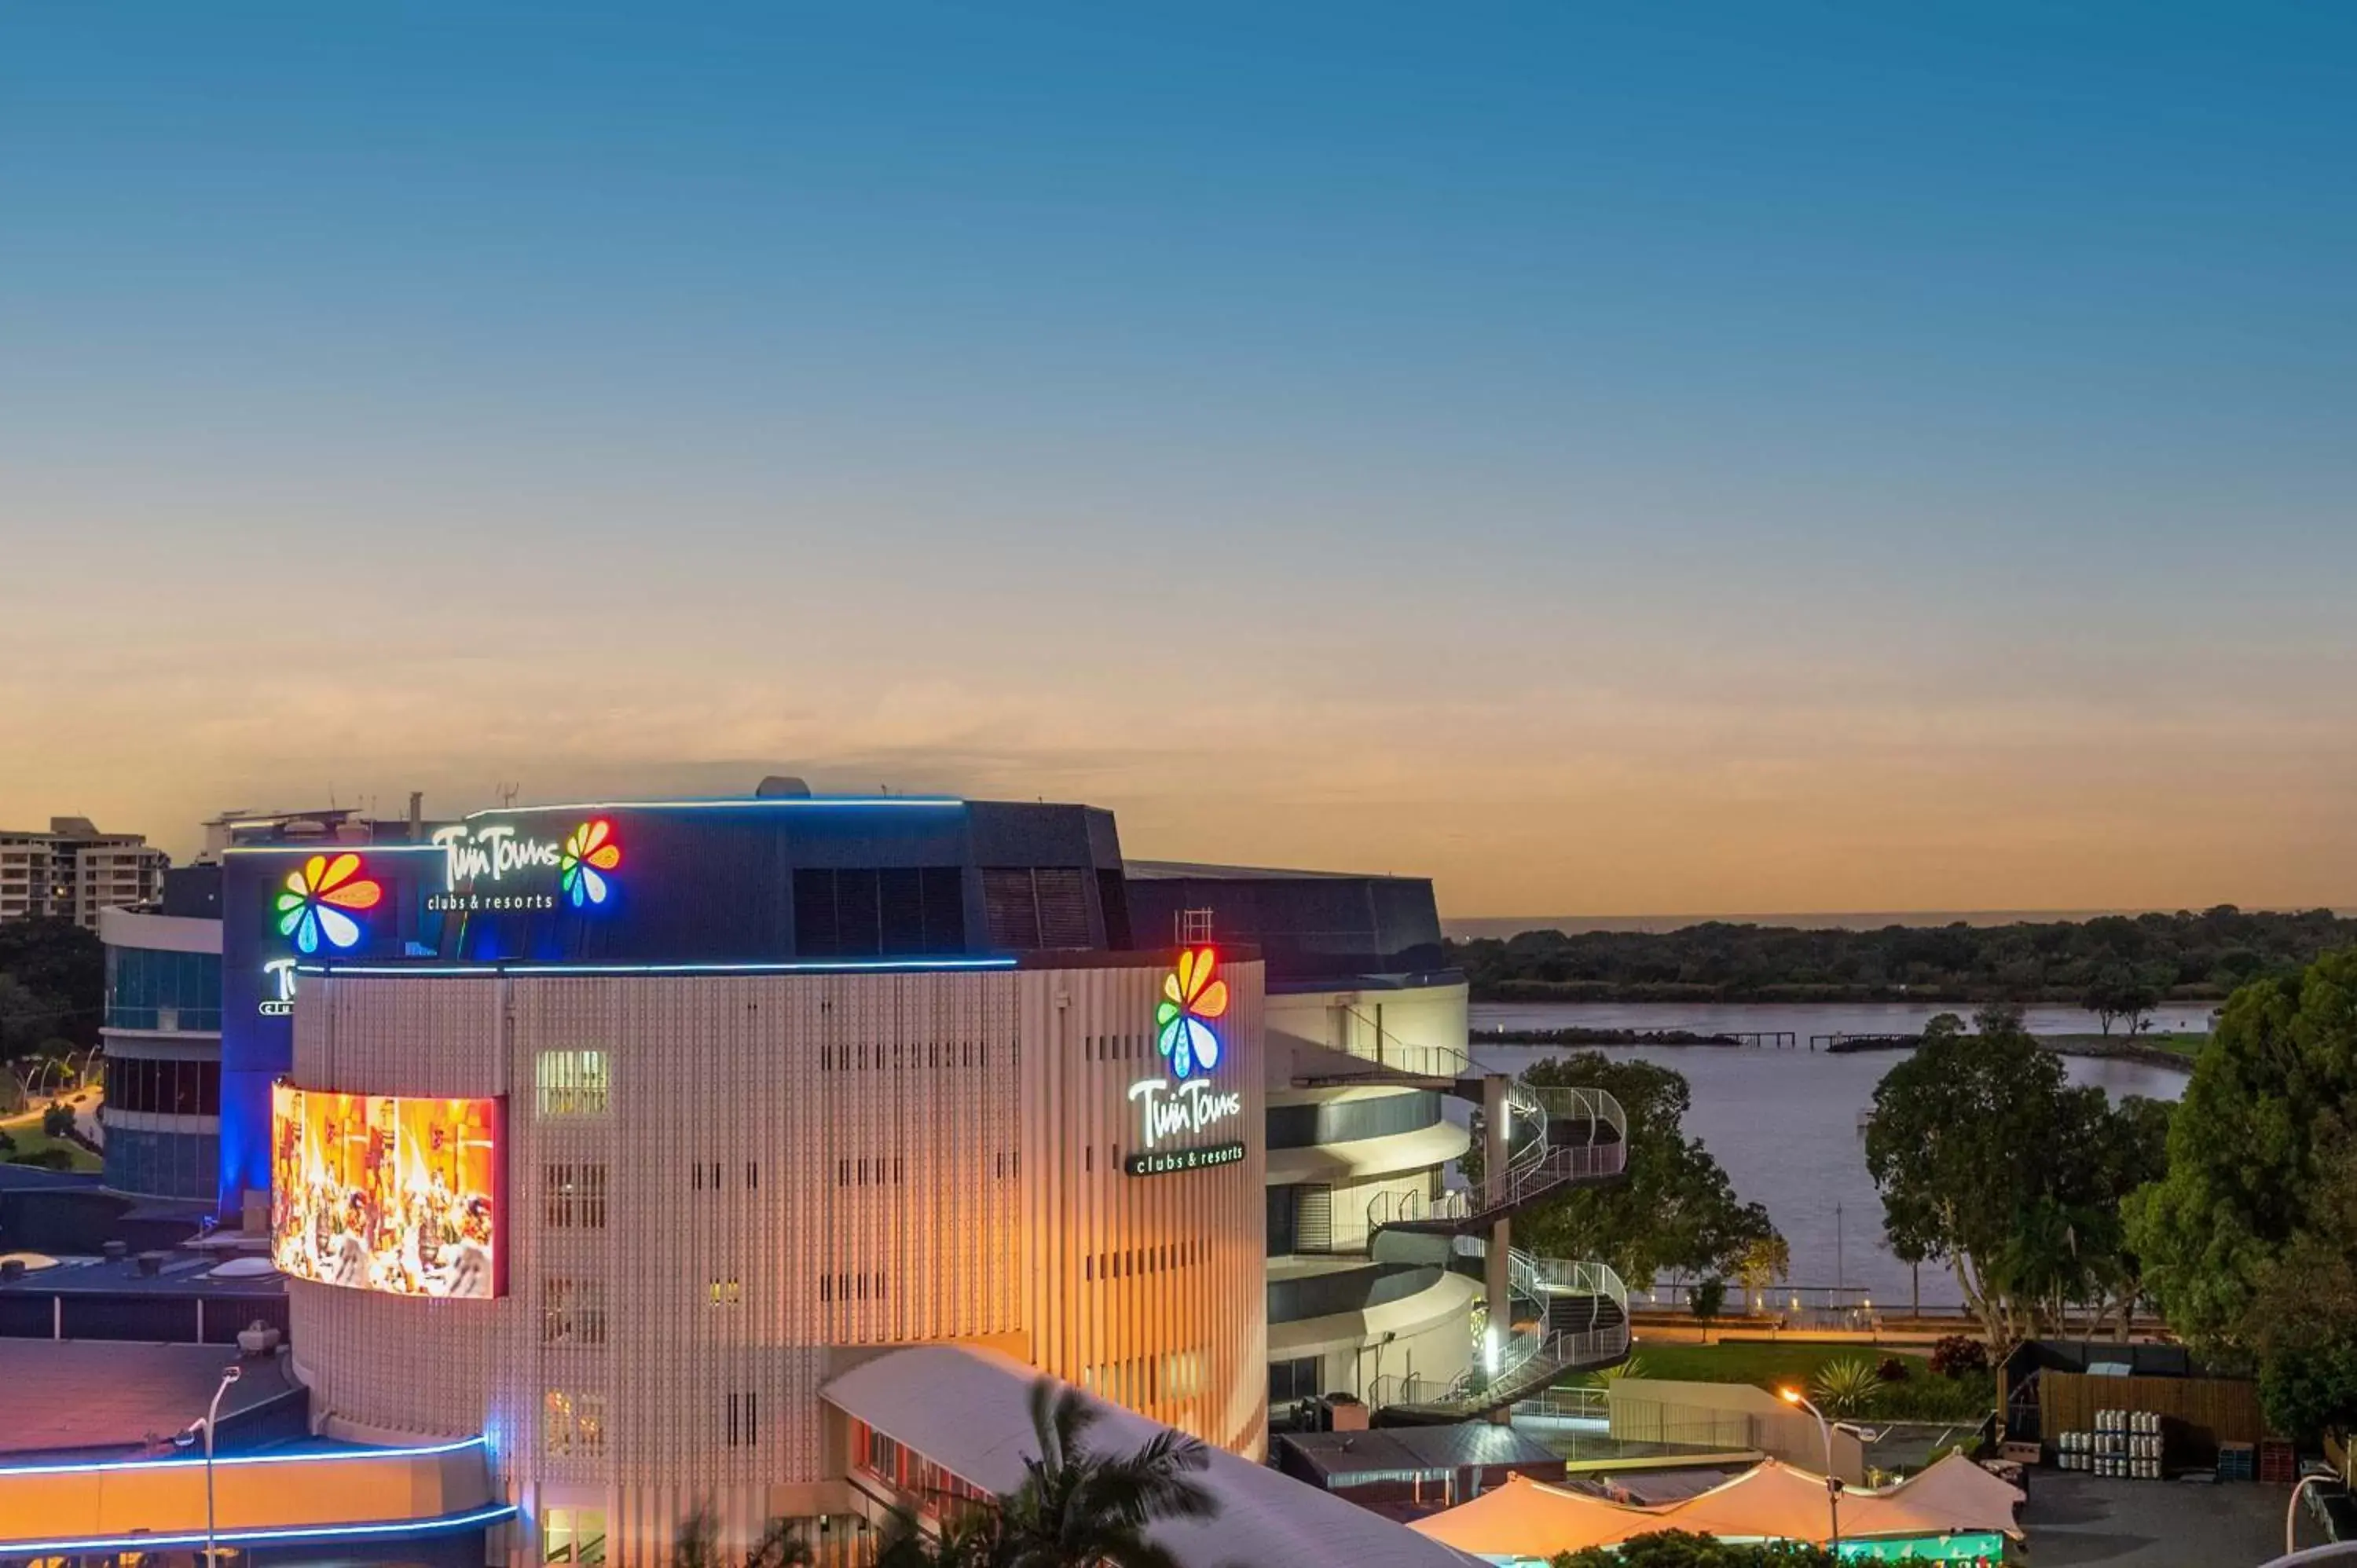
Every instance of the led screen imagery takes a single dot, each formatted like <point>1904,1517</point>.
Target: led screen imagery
<point>378,1192</point>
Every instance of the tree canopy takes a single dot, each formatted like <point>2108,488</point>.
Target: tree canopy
<point>1673,1211</point>
<point>2254,1136</point>
<point>2186,955</point>
<point>1987,1158</point>
<point>2250,1241</point>
<point>52,984</point>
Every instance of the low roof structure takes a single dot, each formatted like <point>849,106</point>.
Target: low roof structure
<point>969,1412</point>
<point>84,1396</point>
<point>1341,1458</point>
<point>1528,1519</point>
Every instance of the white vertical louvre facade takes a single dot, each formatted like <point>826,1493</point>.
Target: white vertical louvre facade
<point>721,1190</point>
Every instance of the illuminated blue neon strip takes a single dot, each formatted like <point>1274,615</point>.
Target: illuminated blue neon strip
<point>362,849</point>
<point>449,1524</point>
<point>525,969</point>
<point>801,802</point>
<point>228,1461</point>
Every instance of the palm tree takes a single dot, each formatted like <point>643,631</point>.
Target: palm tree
<point>971,1539</point>
<point>698,1545</point>
<point>1078,1509</point>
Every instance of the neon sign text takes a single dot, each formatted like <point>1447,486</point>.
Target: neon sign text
<point>493,854</point>
<point>1189,1108</point>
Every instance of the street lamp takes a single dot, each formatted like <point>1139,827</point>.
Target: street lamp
<point>2291,1514</point>
<point>1833,1482</point>
<point>230,1374</point>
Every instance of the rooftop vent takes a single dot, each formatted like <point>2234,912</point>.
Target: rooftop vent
<point>781,787</point>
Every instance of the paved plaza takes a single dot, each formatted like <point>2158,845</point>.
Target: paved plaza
<point>2076,1519</point>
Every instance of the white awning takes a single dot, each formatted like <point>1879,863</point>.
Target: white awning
<point>970,1412</point>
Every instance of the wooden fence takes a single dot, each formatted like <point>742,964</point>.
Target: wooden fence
<point>2214,1410</point>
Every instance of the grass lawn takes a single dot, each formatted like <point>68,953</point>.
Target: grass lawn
<point>1772,1364</point>
<point>2186,1045</point>
<point>29,1137</point>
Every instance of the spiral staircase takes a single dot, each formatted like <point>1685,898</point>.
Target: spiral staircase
<point>1566,1317</point>
<point>1562,1314</point>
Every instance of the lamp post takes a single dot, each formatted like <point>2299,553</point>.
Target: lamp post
<point>230,1374</point>
<point>2291,1514</point>
<point>1833,1482</point>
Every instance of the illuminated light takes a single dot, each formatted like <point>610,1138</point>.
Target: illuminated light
<point>588,851</point>
<point>1790,1396</point>
<point>385,1192</point>
<point>1190,1108</point>
<point>791,802</point>
<point>311,907</point>
<point>314,849</point>
<point>228,1461</point>
<point>147,1540</point>
<point>804,966</point>
<point>1190,999</point>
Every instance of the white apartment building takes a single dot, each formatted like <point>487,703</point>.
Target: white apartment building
<point>73,871</point>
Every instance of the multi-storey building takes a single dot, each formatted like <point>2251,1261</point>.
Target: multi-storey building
<point>73,871</point>
<point>1389,1279</point>
<point>613,1133</point>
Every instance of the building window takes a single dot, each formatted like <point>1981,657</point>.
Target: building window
<point>571,1312</point>
<point>573,1425</point>
<point>744,1426</point>
<point>571,1083</point>
<point>573,1195</point>
<point>573,1535</point>
<point>727,1293</point>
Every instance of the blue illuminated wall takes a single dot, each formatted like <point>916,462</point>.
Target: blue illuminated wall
<point>257,1032</point>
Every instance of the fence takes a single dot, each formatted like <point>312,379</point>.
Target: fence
<point>2214,1410</point>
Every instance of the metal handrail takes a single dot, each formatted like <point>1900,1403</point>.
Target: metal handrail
<point>1535,1353</point>
<point>1595,1107</point>
<point>1415,1059</point>
<point>1394,1207</point>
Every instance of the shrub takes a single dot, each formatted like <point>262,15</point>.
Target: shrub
<point>58,1120</point>
<point>1706,1297</point>
<point>1846,1387</point>
<point>1956,1355</point>
<point>1893,1369</point>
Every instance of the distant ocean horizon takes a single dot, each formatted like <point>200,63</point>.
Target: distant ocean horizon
<point>1503,926</point>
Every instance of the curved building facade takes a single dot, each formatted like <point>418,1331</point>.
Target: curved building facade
<point>1390,1278</point>
<point>622,1182</point>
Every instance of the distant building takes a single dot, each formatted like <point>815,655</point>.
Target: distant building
<point>162,1031</point>
<point>73,871</point>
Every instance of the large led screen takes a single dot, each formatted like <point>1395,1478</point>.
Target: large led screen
<point>383,1193</point>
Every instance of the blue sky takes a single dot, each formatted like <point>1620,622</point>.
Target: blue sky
<point>1632,459</point>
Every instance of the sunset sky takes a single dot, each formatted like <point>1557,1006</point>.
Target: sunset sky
<point>1620,460</point>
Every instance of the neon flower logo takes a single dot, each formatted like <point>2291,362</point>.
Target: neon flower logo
<point>312,907</point>
<point>1190,999</point>
<point>589,852</point>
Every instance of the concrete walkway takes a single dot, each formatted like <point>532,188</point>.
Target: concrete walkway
<point>2075,1519</point>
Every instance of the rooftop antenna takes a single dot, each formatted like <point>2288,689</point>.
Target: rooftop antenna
<point>507,793</point>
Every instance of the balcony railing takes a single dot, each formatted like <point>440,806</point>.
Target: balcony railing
<point>1578,1318</point>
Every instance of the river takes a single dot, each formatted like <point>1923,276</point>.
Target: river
<point>1785,1124</point>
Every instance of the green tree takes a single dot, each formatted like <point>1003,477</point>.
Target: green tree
<point>1078,1509</point>
<point>2118,994</point>
<point>698,1545</point>
<point>1679,1549</point>
<point>52,982</point>
<point>1988,1159</point>
<point>1672,1211</point>
<point>2302,1321</point>
<point>57,1119</point>
<point>2252,1142</point>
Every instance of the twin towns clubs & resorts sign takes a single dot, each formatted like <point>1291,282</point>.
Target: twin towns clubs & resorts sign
<point>1189,1041</point>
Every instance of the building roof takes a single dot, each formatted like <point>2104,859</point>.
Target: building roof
<point>1201,871</point>
<point>182,1274</point>
<point>72,1396</point>
<point>969,1411</point>
<point>1338,1456</point>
